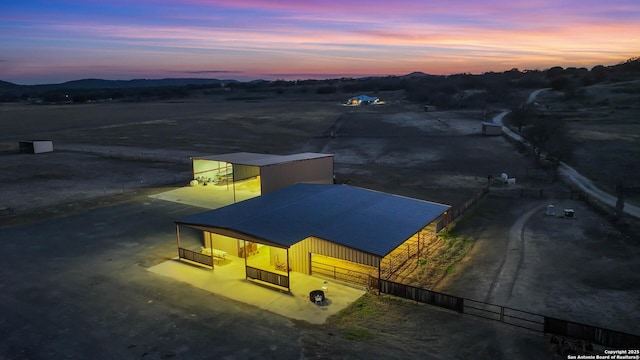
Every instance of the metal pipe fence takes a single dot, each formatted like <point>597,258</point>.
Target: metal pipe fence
<point>510,316</point>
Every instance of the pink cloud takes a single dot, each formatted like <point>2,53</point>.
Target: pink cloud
<point>312,37</point>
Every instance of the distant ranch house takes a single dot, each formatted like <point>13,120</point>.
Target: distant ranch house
<point>363,100</point>
<point>338,232</point>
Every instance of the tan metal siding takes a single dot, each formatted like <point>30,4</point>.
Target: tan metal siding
<point>242,172</point>
<point>327,248</point>
<point>299,257</point>
<point>299,254</point>
<point>313,171</point>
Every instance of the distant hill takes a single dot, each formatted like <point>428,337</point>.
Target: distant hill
<point>418,86</point>
<point>136,83</point>
<point>417,74</point>
<point>95,89</point>
<point>8,86</point>
<point>87,84</point>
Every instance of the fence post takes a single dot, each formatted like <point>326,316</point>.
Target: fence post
<point>501,314</point>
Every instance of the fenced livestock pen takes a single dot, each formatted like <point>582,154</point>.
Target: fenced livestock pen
<point>510,316</point>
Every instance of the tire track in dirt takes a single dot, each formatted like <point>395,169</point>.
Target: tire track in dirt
<point>332,132</point>
<point>507,274</point>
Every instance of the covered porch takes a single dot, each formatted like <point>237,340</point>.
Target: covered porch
<point>251,258</point>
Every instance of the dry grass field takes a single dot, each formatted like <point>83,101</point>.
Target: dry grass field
<point>398,148</point>
<point>395,147</point>
<point>604,125</point>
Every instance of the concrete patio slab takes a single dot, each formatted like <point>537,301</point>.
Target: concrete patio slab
<point>207,197</point>
<point>228,280</point>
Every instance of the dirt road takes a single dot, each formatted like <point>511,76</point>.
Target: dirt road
<point>569,173</point>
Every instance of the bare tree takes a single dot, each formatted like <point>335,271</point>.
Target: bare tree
<point>550,136</point>
<point>520,116</point>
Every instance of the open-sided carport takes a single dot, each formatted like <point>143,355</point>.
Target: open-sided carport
<point>356,226</point>
<point>269,172</point>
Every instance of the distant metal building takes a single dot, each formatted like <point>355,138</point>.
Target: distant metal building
<point>489,128</point>
<point>35,146</point>
<point>273,172</point>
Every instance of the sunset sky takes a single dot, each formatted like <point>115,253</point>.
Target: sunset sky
<point>56,41</point>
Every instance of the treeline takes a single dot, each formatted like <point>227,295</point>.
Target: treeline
<point>79,95</point>
<point>451,91</point>
<point>464,90</point>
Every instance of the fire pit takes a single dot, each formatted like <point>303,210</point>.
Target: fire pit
<point>317,297</point>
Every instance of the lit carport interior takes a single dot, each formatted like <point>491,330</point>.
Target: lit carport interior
<point>342,232</point>
<point>262,173</point>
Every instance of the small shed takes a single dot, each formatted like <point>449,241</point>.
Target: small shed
<point>35,146</point>
<point>489,128</point>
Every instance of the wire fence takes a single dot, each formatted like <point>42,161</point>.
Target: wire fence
<point>130,153</point>
<point>456,211</point>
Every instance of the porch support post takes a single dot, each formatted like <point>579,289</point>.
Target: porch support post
<point>447,219</point>
<point>379,277</point>
<point>210,243</point>
<point>178,234</point>
<point>244,254</point>
<point>288,272</point>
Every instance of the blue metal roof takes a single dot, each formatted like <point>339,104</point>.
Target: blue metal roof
<point>362,219</point>
<point>365,98</point>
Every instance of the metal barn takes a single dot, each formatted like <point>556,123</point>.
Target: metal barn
<point>338,231</point>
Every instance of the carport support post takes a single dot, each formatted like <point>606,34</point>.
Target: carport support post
<point>233,184</point>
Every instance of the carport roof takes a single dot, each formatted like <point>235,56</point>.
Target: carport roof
<point>254,159</point>
<point>366,220</point>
